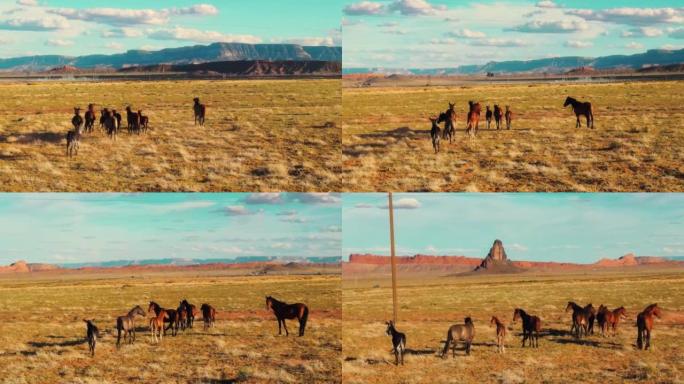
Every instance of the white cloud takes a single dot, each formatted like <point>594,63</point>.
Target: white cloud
<point>311,41</point>
<point>264,198</point>
<point>632,16</point>
<point>468,34</point>
<point>58,43</point>
<point>237,210</point>
<point>415,7</point>
<point>634,45</point>
<point>562,26</point>
<point>365,8</point>
<point>517,247</point>
<point>547,4</point>
<point>404,203</point>
<point>122,32</point>
<point>281,245</point>
<point>677,34</point>
<point>642,32</point>
<point>196,35</point>
<point>319,198</point>
<point>115,46</point>
<point>196,10</point>
<point>35,25</point>
<point>122,16</point>
<point>28,3</point>
<point>363,206</point>
<point>496,42</point>
<point>578,44</point>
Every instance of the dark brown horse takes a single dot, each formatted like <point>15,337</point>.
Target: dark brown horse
<point>191,311</point>
<point>284,311</point>
<point>488,116</point>
<point>90,118</point>
<point>398,343</point>
<point>473,121</point>
<point>126,325</point>
<point>144,122</point>
<point>133,120</point>
<point>531,326</point>
<point>509,117</point>
<point>200,111</point>
<point>449,118</point>
<point>170,317</point>
<point>500,334</point>
<point>208,315</point>
<point>181,317</point>
<point>581,317</point>
<point>92,334</point>
<point>644,325</point>
<point>581,109</point>
<point>435,132</point>
<point>609,319</point>
<point>498,116</point>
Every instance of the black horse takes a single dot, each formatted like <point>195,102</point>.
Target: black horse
<point>284,311</point>
<point>581,109</point>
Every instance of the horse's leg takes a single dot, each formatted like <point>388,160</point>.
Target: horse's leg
<point>648,339</point>
<point>280,332</point>
<point>590,123</point>
<point>287,333</point>
<point>579,123</point>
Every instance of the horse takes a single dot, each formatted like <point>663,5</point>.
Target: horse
<point>434,133</point>
<point>509,117</point>
<point>580,318</point>
<point>644,325</point>
<point>117,117</point>
<point>90,118</point>
<point>92,333</point>
<point>181,317</point>
<point>448,118</point>
<point>200,111</point>
<point>398,342</point>
<point>498,116</point>
<point>102,113</point>
<point>171,317</point>
<point>284,311</point>
<point>473,120</point>
<point>191,313</point>
<point>157,324</point>
<point>133,120</point>
<point>144,122</point>
<point>126,325</point>
<point>607,318</point>
<point>109,124</point>
<point>460,332</point>
<point>74,136</point>
<point>531,325</point>
<point>581,109</point>
<point>208,315</point>
<point>488,116</point>
<point>591,317</point>
<point>500,334</point>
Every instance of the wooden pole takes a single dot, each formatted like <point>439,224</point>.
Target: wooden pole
<point>392,259</point>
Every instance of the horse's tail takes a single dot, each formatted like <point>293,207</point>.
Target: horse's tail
<point>446,343</point>
<point>302,321</point>
<point>640,338</point>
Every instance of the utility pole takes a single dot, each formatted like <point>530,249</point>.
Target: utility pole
<point>392,258</point>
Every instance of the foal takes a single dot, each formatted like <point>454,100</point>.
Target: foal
<point>398,343</point>
<point>92,333</point>
<point>200,111</point>
<point>434,134</point>
<point>157,324</point>
<point>460,332</point>
<point>500,334</point>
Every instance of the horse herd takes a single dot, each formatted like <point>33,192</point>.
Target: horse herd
<point>497,114</point>
<point>583,320</point>
<point>182,318</point>
<point>110,122</point>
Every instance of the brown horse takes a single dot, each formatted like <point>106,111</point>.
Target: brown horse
<point>531,326</point>
<point>133,120</point>
<point>284,311</point>
<point>460,332</point>
<point>449,118</point>
<point>208,315</point>
<point>581,317</point>
<point>474,112</point>
<point>200,111</point>
<point>500,334</point>
<point>607,318</point>
<point>157,324</point>
<point>171,317</point>
<point>644,325</point>
<point>90,118</point>
<point>581,109</point>
<point>144,122</point>
<point>498,116</point>
<point>181,317</point>
<point>509,117</point>
<point>126,325</point>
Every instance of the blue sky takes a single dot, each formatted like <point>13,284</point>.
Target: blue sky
<point>448,33</point>
<point>77,27</point>
<point>543,227</point>
<point>66,228</point>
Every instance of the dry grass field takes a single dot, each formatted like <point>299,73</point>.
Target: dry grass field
<point>429,306</point>
<point>260,135</point>
<point>636,145</point>
<point>43,335</point>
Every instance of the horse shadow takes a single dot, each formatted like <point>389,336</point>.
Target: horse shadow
<point>418,352</point>
<point>66,343</point>
<point>397,133</point>
<point>33,137</point>
<point>221,381</point>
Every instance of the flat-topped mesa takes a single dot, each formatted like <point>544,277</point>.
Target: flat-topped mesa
<point>496,256</point>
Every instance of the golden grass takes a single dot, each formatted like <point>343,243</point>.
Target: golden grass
<point>429,306</point>
<point>260,135</point>
<point>636,145</point>
<point>42,338</point>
